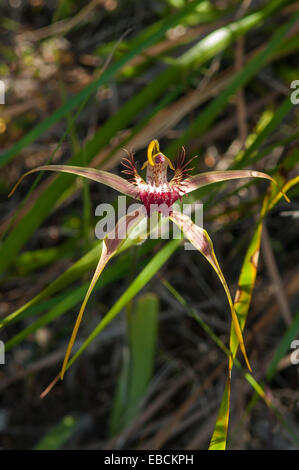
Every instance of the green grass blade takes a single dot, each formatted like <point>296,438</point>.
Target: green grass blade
<point>74,272</point>
<point>62,303</point>
<point>61,433</point>
<point>76,100</point>
<point>242,303</point>
<point>138,363</point>
<point>257,387</point>
<point>140,281</point>
<point>218,440</point>
<point>250,155</point>
<point>283,347</point>
<point>206,117</point>
<point>85,263</point>
<point>195,57</point>
<point>69,301</point>
<point>194,314</point>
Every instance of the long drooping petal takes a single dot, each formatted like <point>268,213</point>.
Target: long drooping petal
<point>109,179</point>
<point>203,179</point>
<point>201,240</point>
<point>111,244</point>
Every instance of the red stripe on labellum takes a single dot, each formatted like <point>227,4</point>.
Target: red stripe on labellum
<point>160,201</point>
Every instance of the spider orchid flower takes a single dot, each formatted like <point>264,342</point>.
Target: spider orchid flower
<point>158,193</point>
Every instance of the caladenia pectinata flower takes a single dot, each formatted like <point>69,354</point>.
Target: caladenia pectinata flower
<point>154,194</point>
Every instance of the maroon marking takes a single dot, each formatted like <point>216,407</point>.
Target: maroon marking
<point>159,158</point>
<point>163,199</point>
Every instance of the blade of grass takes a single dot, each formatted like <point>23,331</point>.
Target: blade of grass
<point>76,148</point>
<point>138,363</point>
<point>206,117</point>
<point>80,267</point>
<point>260,154</point>
<point>61,433</point>
<point>38,213</point>
<point>194,314</point>
<point>62,303</point>
<point>30,261</point>
<point>242,303</point>
<point>35,133</point>
<point>250,155</point>
<point>140,281</point>
<point>248,376</point>
<point>88,261</point>
<point>283,346</point>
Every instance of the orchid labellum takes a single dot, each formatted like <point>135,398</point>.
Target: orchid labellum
<point>158,193</point>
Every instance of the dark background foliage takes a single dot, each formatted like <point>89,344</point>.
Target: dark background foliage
<point>49,52</point>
